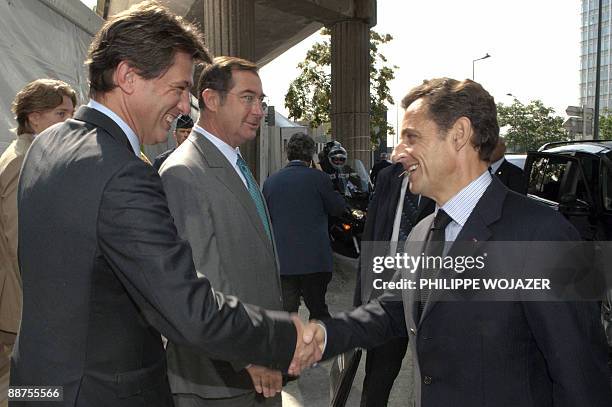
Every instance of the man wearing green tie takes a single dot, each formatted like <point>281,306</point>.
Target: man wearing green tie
<point>218,207</point>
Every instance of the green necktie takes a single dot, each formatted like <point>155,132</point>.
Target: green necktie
<point>255,194</point>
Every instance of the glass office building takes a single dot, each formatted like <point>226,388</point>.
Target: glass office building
<point>588,55</point>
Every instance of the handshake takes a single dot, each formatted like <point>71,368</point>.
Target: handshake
<point>309,349</point>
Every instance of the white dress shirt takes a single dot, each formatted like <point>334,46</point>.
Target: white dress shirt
<point>229,152</point>
<point>460,206</point>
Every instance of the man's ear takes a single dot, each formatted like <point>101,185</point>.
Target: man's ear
<point>212,99</point>
<point>461,132</point>
<point>125,77</point>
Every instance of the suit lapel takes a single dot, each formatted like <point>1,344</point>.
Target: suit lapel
<point>225,172</point>
<point>476,229</point>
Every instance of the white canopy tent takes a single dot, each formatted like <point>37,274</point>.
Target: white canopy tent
<point>42,39</point>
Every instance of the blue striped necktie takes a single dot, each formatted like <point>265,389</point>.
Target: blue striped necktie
<point>255,194</point>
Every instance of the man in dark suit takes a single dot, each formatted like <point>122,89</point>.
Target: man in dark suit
<point>392,213</point>
<point>509,174</point>
<point>471,353</point>
<point>104,271</point>
<point>300,200</point>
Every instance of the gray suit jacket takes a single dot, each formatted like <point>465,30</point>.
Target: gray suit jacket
<point>213,210</point>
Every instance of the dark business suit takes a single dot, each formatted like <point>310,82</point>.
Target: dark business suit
<point>514,354</point>
<point>104,274</point>
<point>384,362</point>
<point>512,176</point>
<point>300,200</point>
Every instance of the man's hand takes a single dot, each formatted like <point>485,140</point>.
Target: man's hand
<point>309,346</point>
<point>266,381</point>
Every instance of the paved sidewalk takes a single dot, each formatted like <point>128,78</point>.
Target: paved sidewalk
<point>312,389</point>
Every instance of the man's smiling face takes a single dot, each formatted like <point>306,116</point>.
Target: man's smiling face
<point>239,119</point>
<point>428,154</point>
<point>157,102</point>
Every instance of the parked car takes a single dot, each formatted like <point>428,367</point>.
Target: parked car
<point>517,159</point>
<point>575,178</point>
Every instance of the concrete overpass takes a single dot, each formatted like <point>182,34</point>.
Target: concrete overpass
<point>261,30</point>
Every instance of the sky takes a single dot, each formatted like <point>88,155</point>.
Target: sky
<point>534,47</point>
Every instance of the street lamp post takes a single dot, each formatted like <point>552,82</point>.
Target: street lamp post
<point>478,59</point>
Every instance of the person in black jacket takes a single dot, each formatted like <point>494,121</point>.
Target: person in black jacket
<point>509,174</point>
<point>300,200</point>
<point>392,212</point>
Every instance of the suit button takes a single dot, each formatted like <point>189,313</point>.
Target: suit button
<point>427,380</point>
<point>413,331</point>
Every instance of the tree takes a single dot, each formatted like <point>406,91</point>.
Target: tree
<point>605,125</point>
<point>530,126</point>
<point>309,95</point>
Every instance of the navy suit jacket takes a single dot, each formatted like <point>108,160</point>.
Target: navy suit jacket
<point>300,199</point>
<point>379,224</point>
<point>105,273</point>
<point>502,354</point>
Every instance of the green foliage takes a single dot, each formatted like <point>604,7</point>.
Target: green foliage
<point>605,125</point>
<point>529,126</point>
<point>309,95</point>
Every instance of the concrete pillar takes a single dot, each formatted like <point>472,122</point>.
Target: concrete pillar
<point>350,108</point>
<point>229,29</point>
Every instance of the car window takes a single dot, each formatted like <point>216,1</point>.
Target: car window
<point>552,177</point>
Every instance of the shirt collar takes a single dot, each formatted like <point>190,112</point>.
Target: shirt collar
<point>460,206</point>
<point>228,151</point>
<point>132,137</point>
<point>495,166</point>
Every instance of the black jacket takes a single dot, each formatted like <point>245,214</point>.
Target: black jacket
<point>512,176</point>
<point>502,353</point>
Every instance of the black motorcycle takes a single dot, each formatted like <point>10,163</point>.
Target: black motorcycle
<point>351,180</point>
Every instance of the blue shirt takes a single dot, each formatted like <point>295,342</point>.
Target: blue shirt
<point>132,137</point>
<point>460,206</point>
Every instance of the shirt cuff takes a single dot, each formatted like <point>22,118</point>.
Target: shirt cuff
<point>322,325</point>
